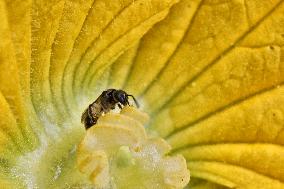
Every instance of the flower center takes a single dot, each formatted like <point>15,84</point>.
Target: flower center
<point>117,153</point>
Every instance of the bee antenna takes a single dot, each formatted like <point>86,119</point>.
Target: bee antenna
<point>136,102</point>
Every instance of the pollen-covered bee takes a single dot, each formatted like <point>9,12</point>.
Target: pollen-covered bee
<point>103,104</point>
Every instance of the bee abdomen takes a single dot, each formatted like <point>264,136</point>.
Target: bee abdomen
<point>89,122</point>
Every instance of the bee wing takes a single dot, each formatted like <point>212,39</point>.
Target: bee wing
<point>84,116</point>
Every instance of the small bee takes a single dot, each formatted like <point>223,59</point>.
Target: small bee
<point>103,104</point>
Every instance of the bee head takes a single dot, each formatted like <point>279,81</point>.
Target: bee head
<point>121,96</point>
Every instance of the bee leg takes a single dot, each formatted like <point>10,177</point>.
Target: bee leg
<point>120,107</point>
<point>113,107</point>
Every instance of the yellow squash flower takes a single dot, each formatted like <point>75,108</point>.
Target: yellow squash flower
<point>209,73</point>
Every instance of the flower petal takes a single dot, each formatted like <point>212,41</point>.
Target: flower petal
<point>209,73</point>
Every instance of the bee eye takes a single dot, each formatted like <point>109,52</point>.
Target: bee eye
<point>121,97</point>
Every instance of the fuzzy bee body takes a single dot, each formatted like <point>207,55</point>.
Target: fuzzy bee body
<point>103,104</point>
